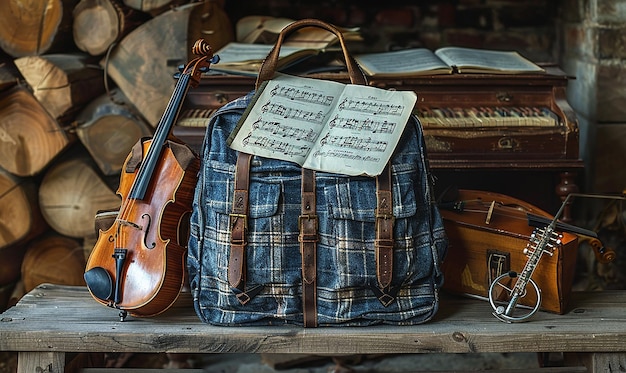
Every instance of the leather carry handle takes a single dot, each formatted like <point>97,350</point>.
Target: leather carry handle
<point>268,67</point>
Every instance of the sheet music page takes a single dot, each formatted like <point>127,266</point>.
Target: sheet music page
<point>363,131</point>
<point>286,118</point>
<point>324,125</point>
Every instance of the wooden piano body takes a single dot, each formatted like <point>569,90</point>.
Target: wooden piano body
<point>489,117</point>
<point>535,160</point>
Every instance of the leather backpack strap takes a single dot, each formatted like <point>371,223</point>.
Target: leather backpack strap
<point>307,223</point>
<point>268,67</point>
<point>384,234</point>
<point>239,226</point>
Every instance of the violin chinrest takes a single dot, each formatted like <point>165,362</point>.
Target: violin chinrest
<point>99,283</point>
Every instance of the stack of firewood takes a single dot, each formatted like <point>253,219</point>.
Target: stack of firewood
<point>81,81</point>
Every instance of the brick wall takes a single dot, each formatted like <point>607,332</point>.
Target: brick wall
<point>503,24</point>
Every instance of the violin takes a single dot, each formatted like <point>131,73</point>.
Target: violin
<point>137,265</point>
<point>509,214</point>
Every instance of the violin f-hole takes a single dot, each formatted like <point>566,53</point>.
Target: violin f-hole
<point>145,235</point>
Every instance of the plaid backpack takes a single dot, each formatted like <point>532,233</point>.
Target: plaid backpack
<point>272,243</point>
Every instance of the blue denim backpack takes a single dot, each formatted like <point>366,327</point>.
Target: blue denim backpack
<point>272,243</point>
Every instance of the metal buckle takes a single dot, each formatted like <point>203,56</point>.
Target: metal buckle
<point>234,217</point>
<point>383,216</point>
<point>307,237</point>
<point>233,221</point>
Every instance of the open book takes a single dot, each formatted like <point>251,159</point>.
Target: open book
<point>256,36</point>
<point>324,125</point>
<point>265,30</point>
<point>447,60</point>
<point>246,59</point>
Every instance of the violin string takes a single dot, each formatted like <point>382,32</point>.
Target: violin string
<point>499,213</point>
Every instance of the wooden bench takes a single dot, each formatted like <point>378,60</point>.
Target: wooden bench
<point>53,320</point>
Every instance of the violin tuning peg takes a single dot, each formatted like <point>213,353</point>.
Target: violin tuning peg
<point>216,59</point>
<point>177,75</point>
<point>181,68</point>
<point>203,69</point>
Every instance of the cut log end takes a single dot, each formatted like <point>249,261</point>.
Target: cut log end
<point>29,137</point>
<point>70,195</point>
<point>96,26</point>
<point>33,27</point>
<point>53,259</point>
<point>20,218</point>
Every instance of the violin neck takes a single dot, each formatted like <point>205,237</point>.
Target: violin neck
<point>148,165</point>
<point>540,221</point>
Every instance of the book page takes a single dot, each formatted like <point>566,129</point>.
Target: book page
<point>265,30</point>
<point>475,60</point>
<point>324,125</point>
<point>362,132</point>
<point>407,62</point>
<point>242,53</point>
<point>286,118</point>
<point>260,29</point>
<point>246,59</point>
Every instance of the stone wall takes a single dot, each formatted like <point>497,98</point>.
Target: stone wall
<point>594,51</point>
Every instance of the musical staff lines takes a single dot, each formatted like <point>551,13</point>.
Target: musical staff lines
<point>371,107</point>
<point>373,126</point>
<point>276,146</point>
<point>316,117</point>
<point>354,142</point>
<point>346,155</point>
<point>283,130</point>
<point>302,95</point>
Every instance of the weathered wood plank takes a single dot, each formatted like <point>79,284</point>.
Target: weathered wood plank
<point>59,318</point>
<point>40,362</point>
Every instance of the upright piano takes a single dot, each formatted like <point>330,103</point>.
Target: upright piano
<point>514,134</point>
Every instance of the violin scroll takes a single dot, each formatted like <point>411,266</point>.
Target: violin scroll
<point>603,254</point>
<point>198,65</point>
<point>202,48</point>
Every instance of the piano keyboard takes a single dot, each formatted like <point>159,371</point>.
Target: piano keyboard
<point>194,117</point>
<point>487,117</point>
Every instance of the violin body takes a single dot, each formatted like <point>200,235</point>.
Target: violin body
<point>155,237</point>
<point>487,238</point>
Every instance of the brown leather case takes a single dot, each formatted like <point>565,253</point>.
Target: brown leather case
<point>479,251</point>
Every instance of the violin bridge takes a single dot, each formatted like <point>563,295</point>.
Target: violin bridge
<point>129,224</point>
<point>490,212</point>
